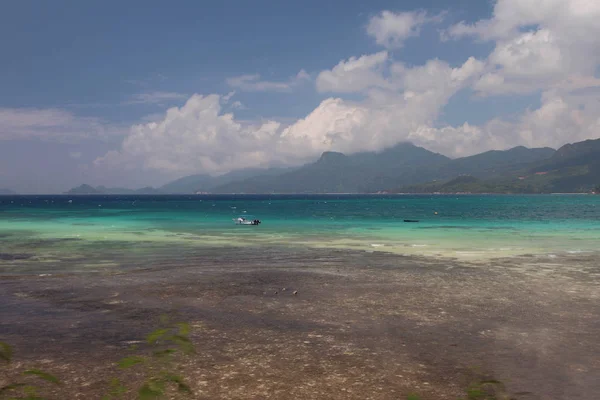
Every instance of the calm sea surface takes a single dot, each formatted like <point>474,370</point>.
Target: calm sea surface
<point>45,234</point>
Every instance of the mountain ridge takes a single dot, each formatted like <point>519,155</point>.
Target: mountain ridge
<point>573,168</point>
<point>85,189</point>
<point>400,165</point>
<point>335,172</point>
<point>404,167</point>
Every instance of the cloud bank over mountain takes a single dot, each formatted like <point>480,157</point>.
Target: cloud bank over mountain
<point>376,101</point>
<point>541,57</point>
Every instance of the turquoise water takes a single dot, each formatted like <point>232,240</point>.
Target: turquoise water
<point>45,233</point>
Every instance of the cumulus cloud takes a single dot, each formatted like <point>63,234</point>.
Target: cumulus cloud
<point>547,46</point>
<point>254,83</point>
<point>539,44</point>
<point>195,137</point>
<point>391,29</point>
<point>354,74</point>
<point>51,124</point>
<point>200,136</point>
<point>394,112</point>
<point>561,118</point>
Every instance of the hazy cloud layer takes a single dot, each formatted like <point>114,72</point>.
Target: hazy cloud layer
<point>254,83</point>
<point>391,29</point>
<point>52,125</point>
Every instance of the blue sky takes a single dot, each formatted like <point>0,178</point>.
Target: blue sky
<point>456,77</point>
<point>95,55</point>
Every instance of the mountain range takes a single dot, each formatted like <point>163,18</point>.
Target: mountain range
<point>6,192</point>
<point>406,168</point>
<point>573,168</point>
<point>87,189</point>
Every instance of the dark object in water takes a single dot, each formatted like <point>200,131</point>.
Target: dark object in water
<point>411,220</point>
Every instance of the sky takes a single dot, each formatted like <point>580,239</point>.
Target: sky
<point>137,93</point>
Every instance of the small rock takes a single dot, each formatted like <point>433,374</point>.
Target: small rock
<point>295,292</point>
<point>276,292</point>
<point>283,290</point>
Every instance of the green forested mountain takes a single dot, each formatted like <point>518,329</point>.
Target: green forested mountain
<point>496,163</point>
<point>206,183</point>
<point>399,166</point>
<point>338,173</point>
<point>406,168</point>
<point>574,168</point>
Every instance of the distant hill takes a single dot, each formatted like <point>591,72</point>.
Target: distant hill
<point>338,173</point>
<point>206,183</point>
<point>87,189</point>
<point>365,172</point>
<point>574,168</point>
<point>188,184</point>
<point>401,165</point>
<point>468,184</point>
<point>496,163</point>
<point>83,189</point>
<point>405,168</point>
<point>6,192</point>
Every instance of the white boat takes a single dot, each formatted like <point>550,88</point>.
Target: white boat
<point>246,220</point>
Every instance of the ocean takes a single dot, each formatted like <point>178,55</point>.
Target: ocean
<point>55,234</point>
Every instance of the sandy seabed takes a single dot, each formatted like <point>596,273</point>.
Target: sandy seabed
<point>361,326</point>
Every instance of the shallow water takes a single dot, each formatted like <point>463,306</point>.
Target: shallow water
<point>46,234</point>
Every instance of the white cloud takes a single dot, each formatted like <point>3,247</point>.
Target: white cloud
<point>537,48</point>
<point>391,29</point>
<point>412,97</point>
<point>155,98</point>
<point>225,99</point>
<point>354,74</point>
<point>199,136</point>
<point>253,83</point>
<point>540,44</point>
<point>238,105</point>
<point>510,16</point>
<point>194,137</point>
<point>51,124</point>
<point>454,141</point>
<point>561,118</point>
